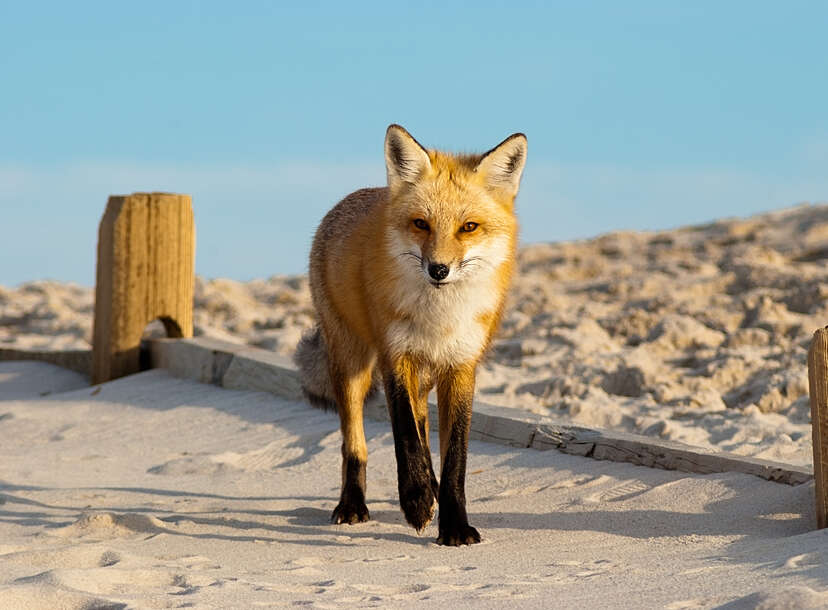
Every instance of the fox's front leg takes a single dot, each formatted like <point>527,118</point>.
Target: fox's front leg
<point>455,391</point>
<point>408,408</point>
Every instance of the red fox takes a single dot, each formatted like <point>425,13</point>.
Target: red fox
<point>408,283</point>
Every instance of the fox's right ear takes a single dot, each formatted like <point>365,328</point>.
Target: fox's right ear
<point>405,158</point>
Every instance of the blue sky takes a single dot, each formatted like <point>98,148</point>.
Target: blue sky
<point>640,115</point>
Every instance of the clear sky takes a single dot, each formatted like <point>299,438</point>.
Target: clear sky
<point>640,115</point>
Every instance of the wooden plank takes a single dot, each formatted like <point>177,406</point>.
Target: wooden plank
<point>257,369</point>
<point>657,453</point>
<point>202,359</point>
<point>208,360</point>
<point>490,423</point>
<point>502,425</point>
<point>818,384</point>
<point>146,256</point>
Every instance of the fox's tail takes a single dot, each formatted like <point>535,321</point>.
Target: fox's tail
<point>312,359</point>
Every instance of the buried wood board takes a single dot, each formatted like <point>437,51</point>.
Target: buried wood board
<point>212,361</point>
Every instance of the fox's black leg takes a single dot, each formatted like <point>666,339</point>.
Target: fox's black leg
<point>422,426</point>
<point>454,393</point>
<point>415,474</point>
<point>351,507</point>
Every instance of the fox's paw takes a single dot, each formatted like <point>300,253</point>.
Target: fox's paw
<point>418,504</point>
<point>350,512</point>
<point>457,536</point>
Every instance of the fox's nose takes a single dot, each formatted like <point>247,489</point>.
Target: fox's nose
<point>438,271</point>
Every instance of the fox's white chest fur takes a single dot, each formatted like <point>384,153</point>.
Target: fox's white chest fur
<point>442,325</point>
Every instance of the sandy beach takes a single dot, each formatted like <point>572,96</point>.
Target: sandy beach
<point>697,334</point>
<point>599,229</point>
<point>157,492</point>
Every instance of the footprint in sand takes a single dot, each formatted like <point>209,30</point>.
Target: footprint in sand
<point>392,592</point>
<point>198,562</point>
<point>269,457</point>
<point>500,591</point>
<point>580,481</point>
<point>520,491</point>
<point>274,455</point>
<point>201,464</point>
<point>444,569</point>
<point>618,493</point>
<point>307,566</point>
<point>390,559</point>
<point>567,572</point>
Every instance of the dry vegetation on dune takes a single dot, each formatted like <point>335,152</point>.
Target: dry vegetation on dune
<point>697,334</point>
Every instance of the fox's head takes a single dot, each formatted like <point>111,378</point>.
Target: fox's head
<point>452,216</point>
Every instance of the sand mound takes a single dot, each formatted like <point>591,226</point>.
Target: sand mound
<point>40,595</point>
<point>793,598</point>
<point>104,525</point>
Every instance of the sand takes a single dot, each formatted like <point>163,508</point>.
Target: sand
<point>157,492</point>
<point>696,334</point>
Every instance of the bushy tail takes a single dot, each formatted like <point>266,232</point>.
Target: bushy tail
<point>312,359</point>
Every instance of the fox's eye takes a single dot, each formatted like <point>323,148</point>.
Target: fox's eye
<point>421,224</point>
<point>468,227</point>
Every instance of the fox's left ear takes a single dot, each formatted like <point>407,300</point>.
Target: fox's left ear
<point>503,165</point>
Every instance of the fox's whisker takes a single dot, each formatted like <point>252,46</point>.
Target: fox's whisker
<point>410,254</point>
<point>473,261</point>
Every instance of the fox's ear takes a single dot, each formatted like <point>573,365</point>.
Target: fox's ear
<point>503,165</point>
<point>405,158</point>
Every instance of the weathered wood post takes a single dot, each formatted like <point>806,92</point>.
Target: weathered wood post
<point>818,383</point>
<point>146,257</point>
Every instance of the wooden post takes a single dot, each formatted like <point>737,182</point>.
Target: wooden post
<point>818,382</point>
<point>146,257</point>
